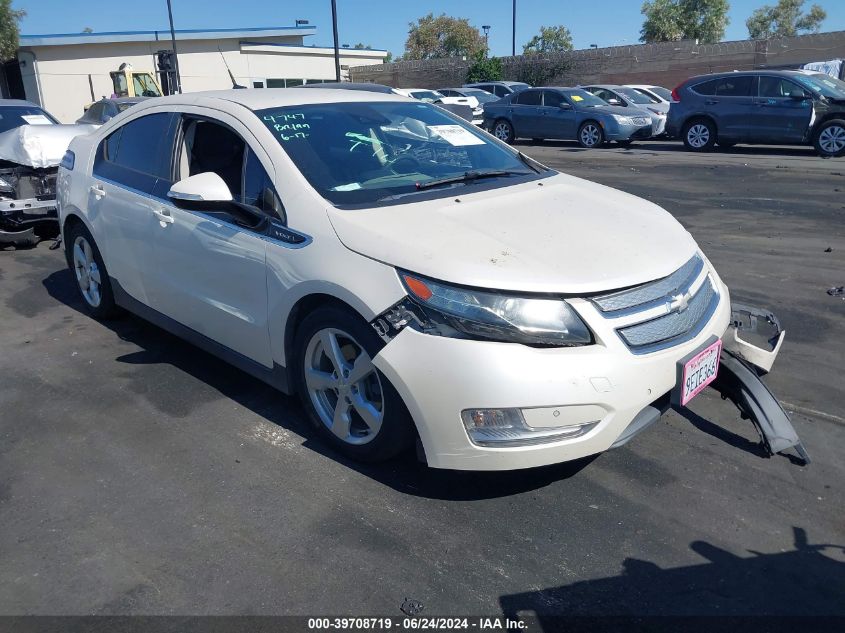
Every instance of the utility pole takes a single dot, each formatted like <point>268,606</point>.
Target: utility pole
<point>513,32</point>
<point>173,40</point>
<point>336,51</point>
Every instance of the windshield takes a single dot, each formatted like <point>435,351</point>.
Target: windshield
<point>364,153</point>
<point>634,97</point>
<point>15,116</point>
<point>429,96</point>
<point>825,84</point>
<point>583,98</point>
<point>125,105</point>
<point>646,93</point>
<point>482,95</point>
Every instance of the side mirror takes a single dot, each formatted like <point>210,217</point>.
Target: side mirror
<point>614,101</point>
<point>205,187</point>
<point>799,96</point>
<point>565,106</point>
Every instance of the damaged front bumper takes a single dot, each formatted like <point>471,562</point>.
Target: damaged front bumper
<point>27,204</point>
<point>751,345</point>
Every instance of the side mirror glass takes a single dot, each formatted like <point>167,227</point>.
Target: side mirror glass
<point>565,106</point>
<point>205,187</point>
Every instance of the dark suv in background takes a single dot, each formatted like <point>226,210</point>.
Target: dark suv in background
<point>782,107</point>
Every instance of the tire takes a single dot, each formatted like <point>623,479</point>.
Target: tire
<point>503,130</point>
<point>89,273</point>
<point>590,135</point>
<point>699,135</point>
<point>364,419</point>
<point>829,140</point>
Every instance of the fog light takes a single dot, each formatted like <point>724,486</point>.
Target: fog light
<point>507,427</point>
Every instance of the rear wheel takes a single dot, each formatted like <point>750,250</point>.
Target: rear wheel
<point>830,138</point>
<point>503,131</point>
<point>347,398</point>
<point>699,135</point>
<point>590,134</point>
<point>92,278</point>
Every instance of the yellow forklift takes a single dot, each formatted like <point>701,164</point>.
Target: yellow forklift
<point>130,83</point>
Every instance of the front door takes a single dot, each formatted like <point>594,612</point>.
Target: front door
<point>210,270</point>
<point>558,116</point>
<point>782,111</point>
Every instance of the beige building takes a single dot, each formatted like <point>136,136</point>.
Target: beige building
<point>64,73</point>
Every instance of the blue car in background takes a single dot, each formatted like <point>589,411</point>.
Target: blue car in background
<point>566,114</point>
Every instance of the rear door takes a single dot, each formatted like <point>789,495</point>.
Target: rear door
<point>127,166</point>
<point>783,110</point>
<point>732,106</point>
<point>558,119</point>
<point>210,268</point>
<point>528,113</point>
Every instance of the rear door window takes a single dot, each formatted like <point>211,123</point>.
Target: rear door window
<point>734,87</point>
<point>529,97</point>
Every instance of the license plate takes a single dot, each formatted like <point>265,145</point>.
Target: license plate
<point>698,370</point>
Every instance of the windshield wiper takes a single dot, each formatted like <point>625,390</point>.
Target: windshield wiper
<point>468,176</point>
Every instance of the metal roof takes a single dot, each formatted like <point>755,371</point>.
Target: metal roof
<point>108,37</point>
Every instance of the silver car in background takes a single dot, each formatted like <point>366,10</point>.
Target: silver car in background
<point>626,97</point>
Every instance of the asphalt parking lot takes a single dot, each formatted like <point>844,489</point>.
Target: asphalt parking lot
<point>139,475</point>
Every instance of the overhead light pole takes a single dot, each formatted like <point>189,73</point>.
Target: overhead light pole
<point>173,41</point>
<point>513,31</point>
<point>336,50</point>
<point>486,29</point>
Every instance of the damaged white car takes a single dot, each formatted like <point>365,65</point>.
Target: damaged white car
<point>32,144</point>
<point>411,277</point>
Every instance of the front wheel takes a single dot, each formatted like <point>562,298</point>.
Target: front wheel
<point>503,131</point>
<point>351,402</point>
<point>830,139</point>
<point>699,135</point>
<point>591,135</point>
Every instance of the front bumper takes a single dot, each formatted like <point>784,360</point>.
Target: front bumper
<point>624,132</point>
<point>20,218</point>
<point>438,377</point>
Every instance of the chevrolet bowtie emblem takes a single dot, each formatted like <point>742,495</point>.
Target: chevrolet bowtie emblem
<point>680,302</point>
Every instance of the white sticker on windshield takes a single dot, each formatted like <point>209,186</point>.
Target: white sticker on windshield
<point>36,119</point>
<point>352,186</point>
<point>456,135</point>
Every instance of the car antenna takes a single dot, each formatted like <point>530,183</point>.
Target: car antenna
<point>235,84</point>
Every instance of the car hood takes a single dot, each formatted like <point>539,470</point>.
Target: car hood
<point>560,234</point>
<point>39,145</point>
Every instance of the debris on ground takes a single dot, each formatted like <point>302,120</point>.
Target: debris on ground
<point>828,250</point>
<point>411,606</point>
<point>837,291</point>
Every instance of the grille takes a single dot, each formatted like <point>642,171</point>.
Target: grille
<point>675,325</point>
<point>681,320</point>
<point>640,120</point>
<point>661,290</point>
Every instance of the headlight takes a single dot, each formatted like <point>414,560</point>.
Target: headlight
<point>469,313</point>
<point>6,186</point>
<point>622,120</point>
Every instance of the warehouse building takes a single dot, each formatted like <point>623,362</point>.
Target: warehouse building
<point>65,72</point>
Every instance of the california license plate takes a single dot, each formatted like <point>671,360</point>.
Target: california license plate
<point>697,371</point>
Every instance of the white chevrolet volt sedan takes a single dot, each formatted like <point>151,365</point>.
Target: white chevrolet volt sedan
<point>409,276</point>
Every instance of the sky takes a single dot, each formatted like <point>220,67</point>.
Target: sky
<point>381,24</point>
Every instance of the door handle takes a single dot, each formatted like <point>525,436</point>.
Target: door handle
<point>98,191</point>
<point>163,216</point>
<point>711,101</point>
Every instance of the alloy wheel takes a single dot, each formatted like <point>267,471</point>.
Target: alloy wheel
<point>590,135</point>
<point>502,131</point>
<point>698,135</point>
<point>344,386</point>
<point>87,272</point>
<point>832,139</point>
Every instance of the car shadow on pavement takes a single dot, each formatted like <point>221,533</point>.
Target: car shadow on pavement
<point>744,593</point>
<point>405,473</point>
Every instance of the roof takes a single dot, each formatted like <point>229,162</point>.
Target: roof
<point>350,85</point>
<point>275,97</point>
<point>18,102</point>
<point>108,37</point>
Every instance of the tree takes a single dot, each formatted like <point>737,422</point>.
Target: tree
<point>9,30</point>
<point>674,20</point>
<point>362,47</point>
<point>442,36</point>
<point>551,39</point>
<point>87,29</point>
<point>389,58</point>
<point>484,68</point>
<point>784,19</point>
